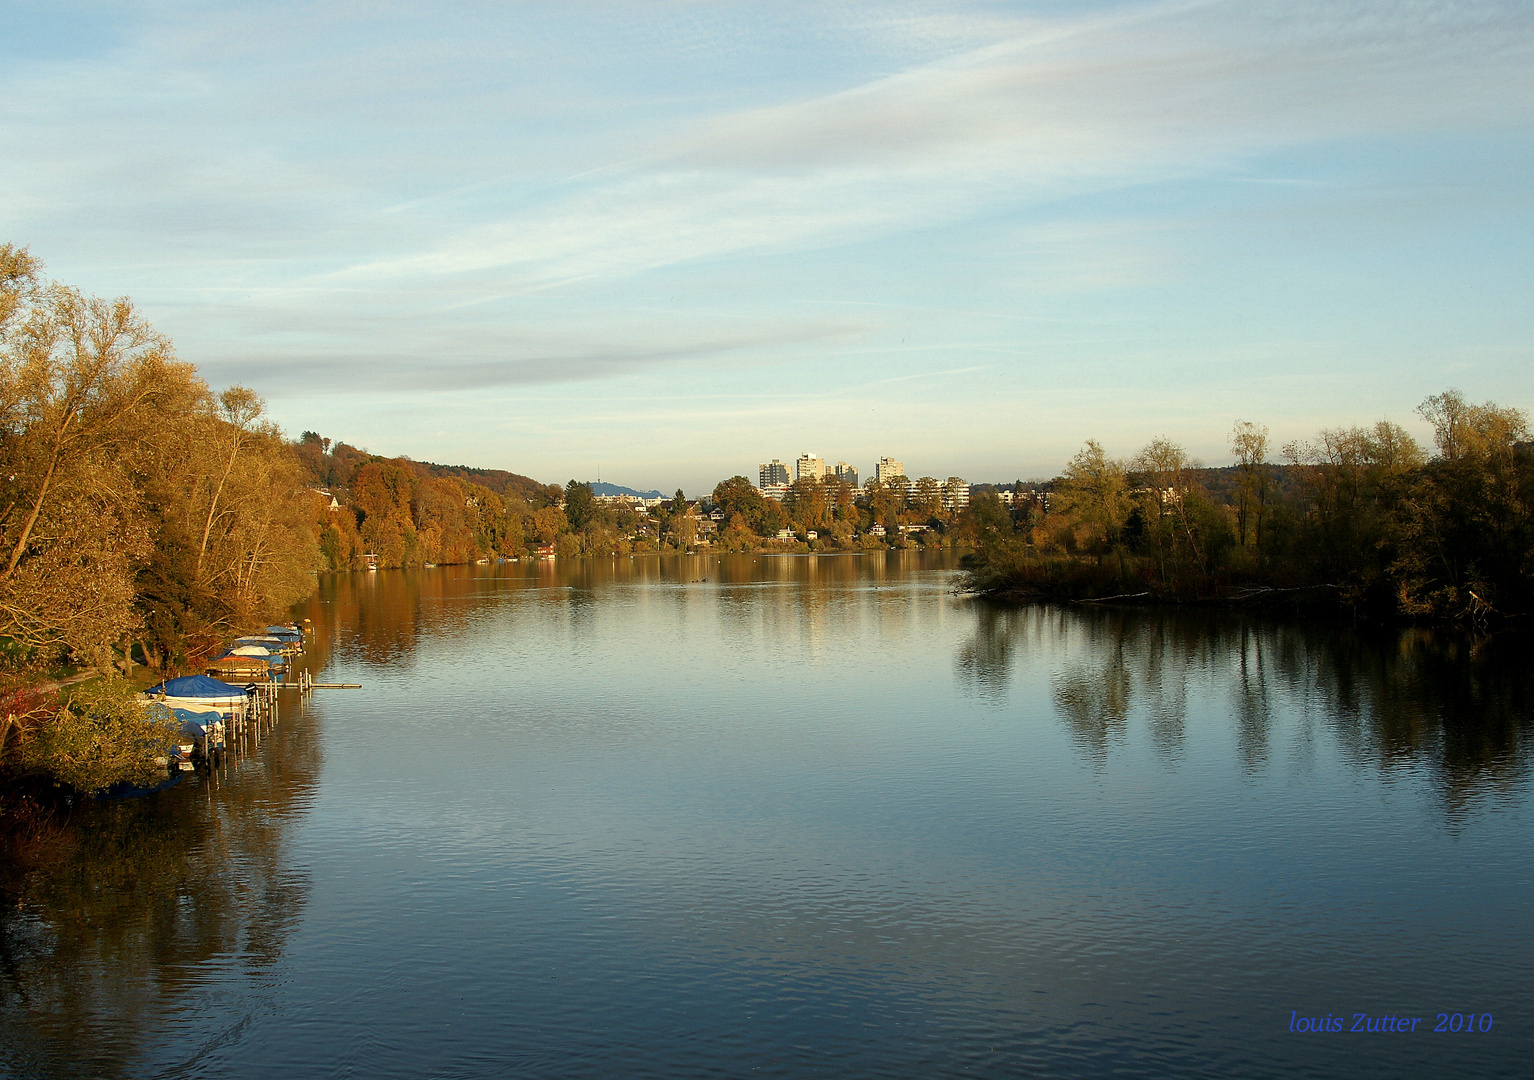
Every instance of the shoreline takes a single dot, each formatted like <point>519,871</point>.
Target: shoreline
<point>1309,600</point>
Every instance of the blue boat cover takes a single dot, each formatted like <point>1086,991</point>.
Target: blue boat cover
<point>196,686</point>
<point>285,632</point>
<point>192,724</point>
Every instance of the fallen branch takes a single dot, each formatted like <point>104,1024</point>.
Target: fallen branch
<point>1253,591</point>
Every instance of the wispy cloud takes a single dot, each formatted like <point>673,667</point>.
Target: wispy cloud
<point>408,368</point>
<point>440,197</point>
<point>1155,93</point>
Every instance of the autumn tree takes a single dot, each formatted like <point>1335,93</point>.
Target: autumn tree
<point>1353,483</point>
<point>236,532</point>
<point>925,500</point>
<point>807,504</point>
<point>737,535</point>
<point>381,492</point>
<point>842,497</point>
<point>738,498</point>
<point>580,505</point>
<point>1165,504</point>
<point>1249,443</point>
<point>84,385</point>
<point>885,499</point>
<point>1093,497</point>
<point>340,542</point>
<point>984,523</point>
<point>548,523</point>
<point>684,527</point>
<point>1471,526</point>
<point>499,522</point>
<point>234,427</point>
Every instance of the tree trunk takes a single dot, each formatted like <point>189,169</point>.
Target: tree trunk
<point>207,528</point>
<point>37,509</point>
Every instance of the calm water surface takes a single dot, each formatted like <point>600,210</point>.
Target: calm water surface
<point>806,817</point>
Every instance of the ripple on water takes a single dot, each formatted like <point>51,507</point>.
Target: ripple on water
<point>809,818</point>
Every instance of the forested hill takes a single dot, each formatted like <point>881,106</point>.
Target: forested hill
<point>332,465</point>
<point>599,487</point>
<point>497,480</point>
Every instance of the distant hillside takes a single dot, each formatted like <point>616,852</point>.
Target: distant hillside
<point>497,480</point>
<point>332,465</point>
<point>600,488</point>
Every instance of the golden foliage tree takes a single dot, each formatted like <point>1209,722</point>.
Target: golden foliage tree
<point>81,383</point>
<point>131,494</point>
<point>1249,443</point>
<point>1092,501</point>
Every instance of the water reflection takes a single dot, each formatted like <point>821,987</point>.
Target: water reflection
<point>1389,698</point>
<point>119,920</point>
<point>1418,697</point>
<point>381,619</point>
<point>694,817</point>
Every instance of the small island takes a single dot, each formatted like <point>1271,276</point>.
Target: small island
<point>1361,518</point>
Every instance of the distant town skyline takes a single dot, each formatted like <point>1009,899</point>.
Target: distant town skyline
<point>658,238</point>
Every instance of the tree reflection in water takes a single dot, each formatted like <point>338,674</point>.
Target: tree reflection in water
<point>114,929</point>
<point>378,620</point>
<point>173,922</point>
<point>1457,704</point>
<point>1094,701</point>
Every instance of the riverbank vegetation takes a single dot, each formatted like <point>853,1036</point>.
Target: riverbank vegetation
<point>1364,517</point>
<point>146,518</point>
<point>143,519</point>
<point>391,512</point>
<point>145,515</point>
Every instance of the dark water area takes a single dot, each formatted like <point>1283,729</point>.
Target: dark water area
<point>810,816</point>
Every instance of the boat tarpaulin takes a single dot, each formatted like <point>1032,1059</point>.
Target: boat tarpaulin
<point>255,651</point>
<point>200,693</point>
<point>194,724</point>
<point>197,686</point>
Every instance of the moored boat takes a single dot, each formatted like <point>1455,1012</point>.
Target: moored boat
<point>200,693</point>
<point>245,668</point>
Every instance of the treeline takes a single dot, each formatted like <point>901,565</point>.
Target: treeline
<point>830,514</point>
<point>144,516</point>
<point>1361,516</point>
<point>392,512</point>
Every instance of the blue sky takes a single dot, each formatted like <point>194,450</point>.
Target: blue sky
<point>672,240</point>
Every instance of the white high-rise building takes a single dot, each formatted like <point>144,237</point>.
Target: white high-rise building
<point>847,473</point>
<point>772,474</point>
<point>811,466</point>
<point>888,469</point>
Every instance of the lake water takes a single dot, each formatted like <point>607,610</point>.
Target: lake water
<point>809,816</point>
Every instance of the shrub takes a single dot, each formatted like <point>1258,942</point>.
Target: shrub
<point>101,736</point>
